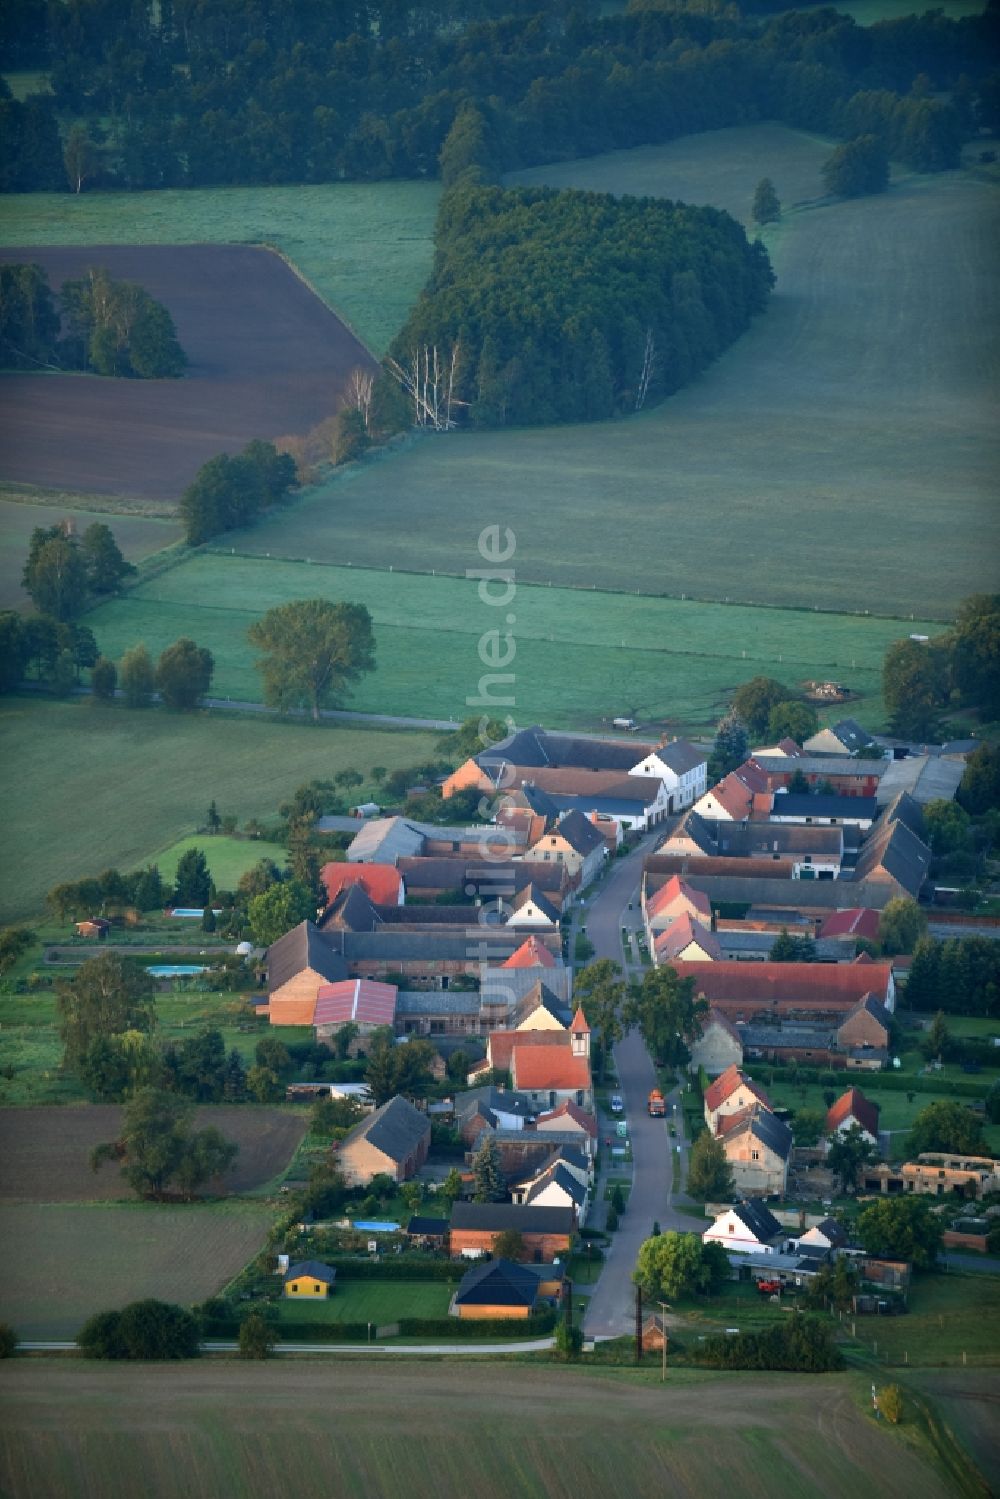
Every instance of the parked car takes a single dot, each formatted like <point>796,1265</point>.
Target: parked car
<point>617,1104</point>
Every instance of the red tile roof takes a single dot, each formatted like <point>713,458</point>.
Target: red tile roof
<point>853,1104</point>
<point>858,921</point>
<point>579,1025</point>
<point>531,954</point>
<point>680,934</point>
<point>361,1000</point>
<point>798,985</point>
<point>541,1067</point>
<point>675,889</point>
<point>380,882</point>
<point>727,1083</point>
<point>571,1110</point>
<point>500,1044</point>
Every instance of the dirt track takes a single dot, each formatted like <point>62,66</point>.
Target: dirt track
<point>44,1152</point>
<point>266,358</point>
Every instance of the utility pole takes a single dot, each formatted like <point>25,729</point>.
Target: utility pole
<point>664,1309</point>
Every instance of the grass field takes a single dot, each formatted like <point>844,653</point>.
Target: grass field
<point>580,658</point>
<point>968,1402</point>
<point>364,247</point>
<point>145,779</point>
<point>842,453</point>
<point>137,535</point>
<point>46,1155</point>
<point>227,858</point>
<point>313,1429</point>
<point>66,1262</point>
<point>950,1315</point>
<point>371,1301</point>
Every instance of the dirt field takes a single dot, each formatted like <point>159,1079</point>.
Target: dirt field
<point>45,1155</point>
<point>266,358</point>
<point>316,1429</point>
<point>65,1262</point>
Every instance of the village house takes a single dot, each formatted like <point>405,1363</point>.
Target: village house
<point>488,1108</point>
<point>545,1231</point>
<point>847,777</point>
<point>823,809</point>
<point>853,1110</point>
<point>824,1236</point>
<point>555,1186</point>
<point>718,1048</point>
<point>867,1027</point>
<point>688,940</point>
<point>850,926</point>
<point>662,907</point>
<point>298,966</point>
<point>531,908</point>
<point>540,1010</point>
<point>844,738</point>
<point>554,1074</point>
<point>758,1148</point>
<point>742,794</point>
<point>936,1175</point>
<point>309,1278</point>
<point>393,1140</point>
<point>569,1118</point>
<point>483,880</point>
<point>524,1152</point>
<point>382,883</point>
<point>93,926</point>
<point>575,843</point>
<point>811,852</point>
<point>503,1289</point>
<point>893,858</point>
<point>748,1227</point>
<point>730,1093</point>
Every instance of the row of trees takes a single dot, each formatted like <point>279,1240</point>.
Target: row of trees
<point>923,680</point>
<point>112,327</point>
<point>663,1006</point>
<point>960,976</point>
<point>229,492</point>
<point>182,675</point>
<point>194,94</point>
<point>530,315</point>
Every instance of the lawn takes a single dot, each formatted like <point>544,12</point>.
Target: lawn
<point>806,467</point>
<point>950,1315</point>
<point>423,1429</point>
<point>227,858</point>
<point>137,535</point>
<point>896,1111</point>
<point>364,247</point>
<point>88,786</point>
<point>372,1301</point>
<point>65,1262</point>
<point>580,658</point>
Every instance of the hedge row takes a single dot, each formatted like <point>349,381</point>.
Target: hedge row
<point>871,1082</point>
<point>398,1268</point>
<point>537,1326</point>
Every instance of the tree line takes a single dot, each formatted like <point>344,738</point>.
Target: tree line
<point>923,680</point>
<point>197,92</point>
<point>112,327</point>
<point>551,306</point>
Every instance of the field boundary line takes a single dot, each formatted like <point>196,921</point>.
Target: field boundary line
<point>283,255</point>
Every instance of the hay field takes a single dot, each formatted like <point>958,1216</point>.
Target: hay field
<point>842,453</point>
<point>316,1428</point>
<point>364,247</point>
<point>137,535</point>
<point>65,1262</point>
<point>580,657</point>
<point>87,786</point>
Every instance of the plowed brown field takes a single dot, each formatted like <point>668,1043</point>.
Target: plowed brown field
<point>266,358</point>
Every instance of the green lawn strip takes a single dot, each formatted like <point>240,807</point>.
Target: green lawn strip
<point>146,778</point>
<point>370,1301</point>
<point>673,659</point>
<point>364,247</point>
<point>227,858</point>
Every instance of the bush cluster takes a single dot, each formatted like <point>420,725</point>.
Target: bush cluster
<point>802,1344</point>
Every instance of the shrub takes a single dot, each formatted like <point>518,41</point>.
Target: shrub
<point>8,1341</point>
<point>257,1334</point>
<point>890,1403</point>
<point>100,1336</point>
<point>802,1344</point>
<point>569,1341</point>
<point>142,1330</point>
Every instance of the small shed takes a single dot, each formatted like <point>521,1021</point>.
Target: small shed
<point>655,1331</point>
<point>430,1233</point>
<point>93,926</point>
<point>309,1278</point>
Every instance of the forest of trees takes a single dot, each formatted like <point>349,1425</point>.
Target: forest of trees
<point>111,327</point>
<point>198,92</point>
<point>548,306</point>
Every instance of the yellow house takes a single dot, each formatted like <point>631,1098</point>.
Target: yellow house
<point>309,1278</point>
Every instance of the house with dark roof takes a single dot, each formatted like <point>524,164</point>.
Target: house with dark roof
<point>844,738</point>
<point>823,809</point>
<point>298,965</point>
<point>812,852</point>
<point>895,858</point>
<point>394,1139</point>
<point>540,1010</point>
<point>850,777</point>
<point>523,1152</point>
<point>490,1108</point>
<point>719,1046</point>
<point>309,1278</point>
<point>545,1231</point>
<point>742,794</point>
<point>575,843</point>
<point>748,1227</point>
<point>483,879</point>
<point>556,1186</point>
<point>867,1027</point>
<point>758,1148</point>
<point>428,1232</point>
<point>504,1289</point>
<point>825,1235</point>
<point>853,1109</point>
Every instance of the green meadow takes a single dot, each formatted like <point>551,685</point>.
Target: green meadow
<point>582,657</point>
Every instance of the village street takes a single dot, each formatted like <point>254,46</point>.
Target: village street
<point>611,1309</point>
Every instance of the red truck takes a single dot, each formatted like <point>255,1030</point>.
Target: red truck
<point>656,1104</point>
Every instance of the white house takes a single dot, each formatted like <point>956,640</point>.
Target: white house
<point>731,1092</point>
<point>555,1187</point>
<point>683,769</point>
<point>748,1228</point>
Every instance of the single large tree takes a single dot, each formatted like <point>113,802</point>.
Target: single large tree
<point>55,574</point>
<point>106,997</point>
<point>847,1154</point>
<point>667,1012</point>
<point>732,746</point>
<point>136,676</point>
<point>106,567</point>
<point>945,1125</point>
<point>158,1147</point>
<point>672,1265</point>
<point>792,720</point>
<point>766,207</point>
<point>276,910</point>
<point>901,1228</point>
<point>915,687</point>
<point>976,653</point>
<point>901,924</point>
<point>602,992</point>
<point>184,674</point>
<point>710,1176</point>
<point>753,701</point>
<point>857,167</point>
<point>192,882</point>
<point>313,650</point>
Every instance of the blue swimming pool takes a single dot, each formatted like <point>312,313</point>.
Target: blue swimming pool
<point>376,1226</point>
<point>176,970</point>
